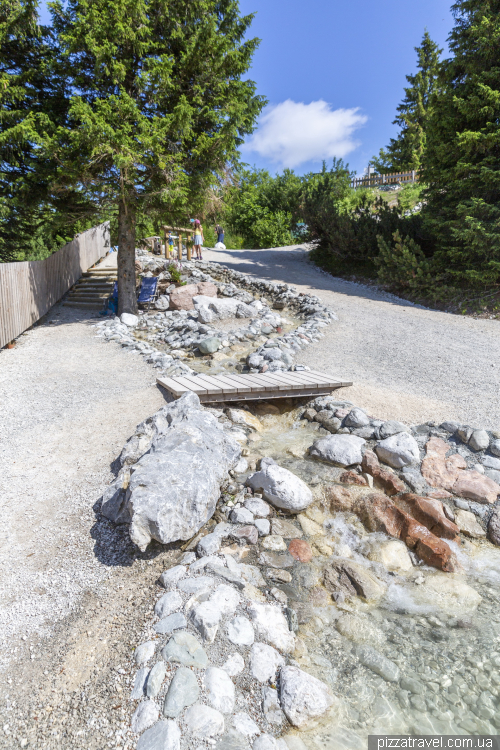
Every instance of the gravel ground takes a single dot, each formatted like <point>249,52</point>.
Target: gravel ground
<point>69,401</point>
<point>406,362</point>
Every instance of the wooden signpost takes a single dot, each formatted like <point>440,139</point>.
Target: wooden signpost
<point>179,231</point>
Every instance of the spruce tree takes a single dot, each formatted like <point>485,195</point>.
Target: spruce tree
<point>406,150</point>
<point>462,162</point>
<point>159,105</point>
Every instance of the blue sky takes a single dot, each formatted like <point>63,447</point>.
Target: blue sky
<point>333,72</point>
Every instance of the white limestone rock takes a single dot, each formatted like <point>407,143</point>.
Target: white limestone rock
<point>145,715</point>
<point>129,320</point>
<point>240,631</point>
<point>398,450</point>
<point>280,487</point>
<point>303,697</point>
<point>220,689</point>
<point>342,450</point>
<point>272,626</point>
<point>164,735</point>
<point>234,665</point>
<point>168,603</point>
<point>203,721</point>
<point>265,662</point>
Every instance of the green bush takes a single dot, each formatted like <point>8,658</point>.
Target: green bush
<point>403,264</point>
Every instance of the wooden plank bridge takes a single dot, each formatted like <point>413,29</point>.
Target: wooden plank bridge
<point>236,387</point>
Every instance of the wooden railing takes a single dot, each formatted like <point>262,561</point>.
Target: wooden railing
<point>29,289</point>
<point>374,180</point>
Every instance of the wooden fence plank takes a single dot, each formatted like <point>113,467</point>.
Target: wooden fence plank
<point>29,289</point>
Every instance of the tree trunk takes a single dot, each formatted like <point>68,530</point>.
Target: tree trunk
<point>127,298</point>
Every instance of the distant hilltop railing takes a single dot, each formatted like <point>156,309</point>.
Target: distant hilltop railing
<point>374,180</point>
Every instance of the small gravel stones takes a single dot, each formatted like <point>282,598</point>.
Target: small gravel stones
<point>170,623</point>
<point>183,691</point>
<point>167,604</point>
<point>155,679</point>
<point>264,662</point>
<point>220,689</point>
<point>145,715</point>
<point>144,653</point>
<point>240,631</point>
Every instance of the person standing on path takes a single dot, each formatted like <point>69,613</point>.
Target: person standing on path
<point>198,239</point>
<point>220,233</point>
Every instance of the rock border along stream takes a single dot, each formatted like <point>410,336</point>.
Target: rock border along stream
<point>222,663</point>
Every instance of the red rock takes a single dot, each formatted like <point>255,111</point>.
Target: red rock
<point>440,494</point>
<point>247,533</point>
<point>437,470</point>
<point>383,478</point>
<point>476,486</point>
<point>429,513</point>
<point>301,550</point>
<point>350,477</point>
<point>340,498</point>
<point>207,289</point>
<point>379,513</point>
<point>182,297</point>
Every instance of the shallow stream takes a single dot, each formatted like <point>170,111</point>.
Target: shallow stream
<point>425,657</point>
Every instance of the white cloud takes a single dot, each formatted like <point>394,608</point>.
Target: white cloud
<point>292,133</point>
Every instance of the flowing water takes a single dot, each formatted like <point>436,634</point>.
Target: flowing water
<point>422,659</point>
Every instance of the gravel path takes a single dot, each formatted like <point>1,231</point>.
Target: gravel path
<point>406,362</point>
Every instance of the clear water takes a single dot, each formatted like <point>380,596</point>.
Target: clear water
<point>442,637</point>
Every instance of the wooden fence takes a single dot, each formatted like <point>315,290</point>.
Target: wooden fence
<point>29,289</point>
<point>374,180</point>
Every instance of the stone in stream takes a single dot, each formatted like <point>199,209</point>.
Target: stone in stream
<point>378,663</point>
<point>145,715</point>
<point>220,689</point>
<point>429,513</point>
<point>144,653</point>
<point>175,487</point>
<point>240,631</point>
<point>343,450</point>
<point>272,626</point>
<point>468,525</point>
<point>398,450</point>
<point>274,543</point>
<point>284,528</point>
<point>183,691</point>
<point>164,735</point>
<point>302,696</point>
<point>352,579</point>
<point>438,469</point>
<point>155,679</point>
<point>170,623</point>
<point>185,649</point>
<point>168,603</point>
<point>393,555</point>
<point>476,487</point>
<point>265,662</point>
<point>301,550</point>
<point>210,345</point>
<point>383,478</point>
<point>277,559</point>
<point>280,487</point>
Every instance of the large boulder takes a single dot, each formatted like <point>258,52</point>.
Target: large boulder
<point>182,297</point>
<point>344,450</point>
<point>398,450</point>
<point>438,469</point>
<point>173,489</point>
<point>222,308</point>
<point>280,487</point>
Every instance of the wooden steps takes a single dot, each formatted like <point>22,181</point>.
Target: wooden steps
<point>232,387</point>
<point>92,289</point>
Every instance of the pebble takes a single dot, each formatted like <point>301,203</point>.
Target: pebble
<point>234,665</point>
<point>167,604</point>
<point>277,559</point>
<point>240,631</point>
<point>203,721</point>
<point>183,691</point>
<point>258,507</point>
<point>171,576</point>
<point>145,715</point>
<point>300,550</point>
<point>185,649</point>
<point>139,684</point>
<point>378,663</point>
<point>220,689</point>
<point>241,515</point>
<point>206,617</point>
<point>170,623</point>
<point>274,543</point>
<point>195,585</point>
<point>263,526</point>
<point>144,653</point>
<point>155,679</point>
<point>272,626</point>
<point>245,725</point>
<point>264,662</point>
<point>164,735</point>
